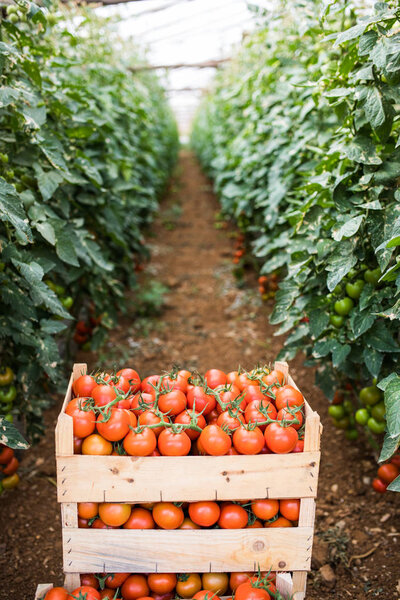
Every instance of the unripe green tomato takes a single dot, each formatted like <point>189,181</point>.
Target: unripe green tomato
<point>50,284</point>
<point>341,423</point>
<point>370,395</point>
<point>362,416</point>
<point>9,418</point>
<point>3,157</point>
<point>59,290</point>
<point>338,290</point>
<point>336,320</point>
<point>348,406</point>
<point>354,289</point>
<point>6,407</point>
<point>8,395</point>
<point>2,266</point>
<point>336,411</point>
<point>375,426</point>
<point>351,434</point>
<point>67,302</point>
<point>11,9</point>
<point>344,306</point>
<point>352,273</point>
<point>378,412</point>
<point>372,276</point>
<point>10,174</point>
<point>13,18</point>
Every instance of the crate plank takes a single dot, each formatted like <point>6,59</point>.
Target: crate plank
<point>189,478</point>
<point>42,589</point>
<point>186,551</point>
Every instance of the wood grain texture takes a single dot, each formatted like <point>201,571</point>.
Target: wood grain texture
<point>186,551</point>
<point>284,584</point>
<point>190,478</point>
<point>42,589</point>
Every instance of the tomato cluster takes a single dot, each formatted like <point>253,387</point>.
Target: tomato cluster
<point>367,408</point>
<point>179,413</point>
<point>268,285</point>
<point>386,474</point>
<point>167,586</point>
<point>240,249</point>
<point>8,392</point>
<point>189,515</point>
<point>9,464</point>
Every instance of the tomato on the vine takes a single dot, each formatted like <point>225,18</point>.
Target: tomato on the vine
<point>205,513</point>
<point>167,515</point>
<point>248,441</point>
<point>281,440</point>
<point>171,443</point>
<point>115,425</point>
<point>214,440</point>
<point>188,585</point>
<point>140,442</point>
<point>233,516</point>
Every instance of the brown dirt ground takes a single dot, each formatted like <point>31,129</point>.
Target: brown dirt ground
<point>208,321</point>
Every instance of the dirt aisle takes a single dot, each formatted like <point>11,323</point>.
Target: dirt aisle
<point>208,322</point>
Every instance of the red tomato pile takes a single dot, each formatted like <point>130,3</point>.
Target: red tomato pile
<point>179,413</point>
<point>189,515</point>
<point>9,464</point>
<point>386,474</point>
<point>166,586</point>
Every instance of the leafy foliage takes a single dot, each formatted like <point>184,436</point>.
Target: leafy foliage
<point>86,148</point>
<point>301,136</point>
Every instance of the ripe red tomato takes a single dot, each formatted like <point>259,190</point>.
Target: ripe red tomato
<point>91,593</point>
<point>172,403</point>
<point>280,440</point>
<point>99,524</point>
<point>188,524</point>
<point>233,516</point>
<point>103,394</point>
<point>252,392</point>
<point>395,460</point>
<point>142,401</point>
<point>118,382</point>
<point>83,421</point>
<point>11,467</point>
<point>245,379</point>
<point>167,515</point>
<point>133,378</point>
<point>179,381</point>
<point>88,510</point>
<point>214,440</point>
<point>248,441</point>
<point>233,378</point>
<point>265,509</point>
<point>279,522</point>
<point>286,396</point>
<point>116,580</point>
<point>200,401</point>
<point>78,445</point>
<point>184,418</point>
<point>299,447</point>
<point>188,585</point>
<point>114,514</point>
<point>91,580</point>
<point>215,582</point>
<point>204,513</point>
<point>140,518</point>
<point>285,415</point>
<point>236,579</point>
<point>214,378</point>
<point>387,472</point>
<point>290,509</point>
<point>57,593</point>
<point>96,445</point>
<point>148,417</point>
<point>205,595</point>
<point>134,587</point>
<point>253,414</point>
<point>229,422</point>
<point>149,383</point>
<point>274,377</point>
<point>379,485</point>
<point>227,399</point>
<point>140,443</point>
<point>117,425</point>
<point>162,583</point>
<point>83,386</point>
<point>6,454</point>
<point>246,591</point>
<point>174,444</point>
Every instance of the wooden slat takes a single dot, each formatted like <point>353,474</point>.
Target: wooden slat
<point>284,584</point>
<point>42,589</point>
<point>191,478</point>
<point>186,551</point>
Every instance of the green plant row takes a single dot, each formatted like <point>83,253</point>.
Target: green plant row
<point>86,149</point>
<point>301,136</point>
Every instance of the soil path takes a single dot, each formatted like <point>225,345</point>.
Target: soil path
<point>208,322</point>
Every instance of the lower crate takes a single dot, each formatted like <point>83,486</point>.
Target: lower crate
<point>284,585</point>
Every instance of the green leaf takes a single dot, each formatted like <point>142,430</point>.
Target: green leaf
<point>374,108</point>
<point>373,360</point>
<point>392,405</point>
<point>11,210</point>
<point>361,321</point>
<point>339,263</point>
<point>380,338</point>
<point>348,229</point>
<point>339,354</point>
<point>390,445</point>
<point>395,485</point>
<point>10,436</point>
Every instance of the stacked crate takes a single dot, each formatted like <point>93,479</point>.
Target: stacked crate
<point>188,479</point>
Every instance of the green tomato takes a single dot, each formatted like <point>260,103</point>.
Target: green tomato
<point>362,416</point>
<point>9,395</point>
<point>336,411</point>
<point>352,273</point>
<point>50,284</point>
<point>348,407</point>
<point>338,290</point>
<point>378,411</point>
<point>2,266</point>
<point>6,408</point>
<point>375,426</point>
<point>67,302</point>
<point>3,157</point>
<point>11,9</point>
<point>370,395</point>
<point>13,18</point>
<point>354,289</point>
<point>351,434</point>
<point>344,306</point>
<point>9,418</point>
<point>6,376</point>
<point>372,276</point>
<point>341,423</point>
<point>59,290</point>
<point>336,320</point>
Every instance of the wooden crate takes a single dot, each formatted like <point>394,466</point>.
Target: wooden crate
<point>151,479</point>
<point>283,583</point>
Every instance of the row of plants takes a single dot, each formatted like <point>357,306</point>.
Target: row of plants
<point>86,149</point>
<point>301,137</point>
